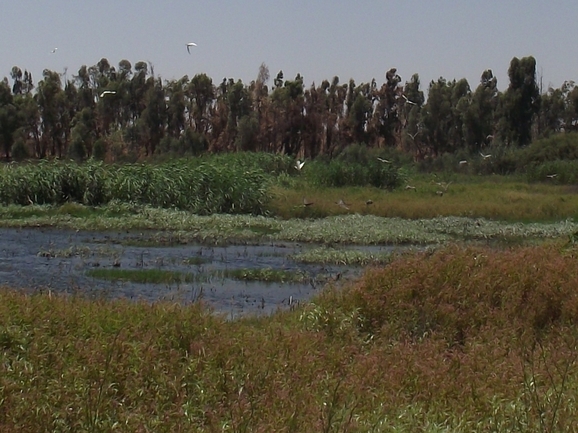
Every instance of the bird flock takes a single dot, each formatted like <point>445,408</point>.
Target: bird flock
<point>443,186</point>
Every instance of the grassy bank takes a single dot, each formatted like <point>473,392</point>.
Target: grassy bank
<point>462,339</point>
<point>504,198</point>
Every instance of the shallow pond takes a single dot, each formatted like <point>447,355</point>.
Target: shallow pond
<point>60,260</point>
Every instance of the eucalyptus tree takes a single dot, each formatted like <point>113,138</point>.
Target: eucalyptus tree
<point>260,98</point>
<point>334,97</point>
<point>176,106</point>
<point>29,133</point>
<point>442,115</point>
<point>9,121</point>
<point>550,118</point>
<point>479,118</point>
<point>54,114</point>
<point>520,103</point>
<point>200,94</point>
<point>153,117</point>
<point>23,84</point>
<point>571,118</point>
<point>313,122</point>
<point>359,112</point>
<point>388,110</point>
<point>288,102</point>
<point>410,105</point>
<point>16,74</point>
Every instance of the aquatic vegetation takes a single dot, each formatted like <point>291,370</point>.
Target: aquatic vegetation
<point>328,255</point>
<point>267,275</point>
<point>150,276</point>
<point>181,227</point>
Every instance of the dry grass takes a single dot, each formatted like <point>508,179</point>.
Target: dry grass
<point>461,339</point>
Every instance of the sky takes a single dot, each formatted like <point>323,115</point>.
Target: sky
<point>318,39</point>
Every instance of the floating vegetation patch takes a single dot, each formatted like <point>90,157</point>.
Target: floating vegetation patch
<point>183,227</point>
<point>144,276</point>
<point>333,256</point>
<point>78,251</point>
<point>197,260</point>
<point>267,275</point>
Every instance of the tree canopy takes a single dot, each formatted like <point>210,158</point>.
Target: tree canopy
<point>126,112</point>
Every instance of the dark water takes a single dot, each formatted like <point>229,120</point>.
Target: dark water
<point>58,260</point>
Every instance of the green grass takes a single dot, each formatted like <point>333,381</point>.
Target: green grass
<point>503,198</point>
<point>459,339</point>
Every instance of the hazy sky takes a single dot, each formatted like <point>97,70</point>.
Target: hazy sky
<point>319,39</point>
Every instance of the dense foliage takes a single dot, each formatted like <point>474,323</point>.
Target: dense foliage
<point>125,113</point>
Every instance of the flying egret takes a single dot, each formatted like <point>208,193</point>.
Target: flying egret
<point>342,204</point>
<point>189,45</point>
<point>368,202</point>
<point>552,176</point>
<point>444,185</point>
<point>299,165</point>
<point>386,161</point>
<point>463,162</point>
<point>306,202</point>
<point>411,187</point>
<point>107,92</point>
<point>485,156</point>
<point>414,135</point>
<point>53,50</point>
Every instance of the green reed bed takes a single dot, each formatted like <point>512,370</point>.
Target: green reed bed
<point>202,187</point>
<point>461,340</point>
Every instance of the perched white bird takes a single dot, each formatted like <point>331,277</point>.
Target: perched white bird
<point>407,100</point>
<point>485,156</point>
<point>299,165</point>
<point>189,45</point>
<point>107,92</point>
<point>386,161</point>
<point>53,50</point>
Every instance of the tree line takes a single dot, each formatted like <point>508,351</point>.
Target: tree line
<point>124,113</point>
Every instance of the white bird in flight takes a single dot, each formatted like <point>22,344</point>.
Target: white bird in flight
<point>107,92</point>
<point>53,50</point>
<point>342,204</point>
<point>385,161</point>
<point>189,45</point>
<point>299,165</point>
<point>485,156</point>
